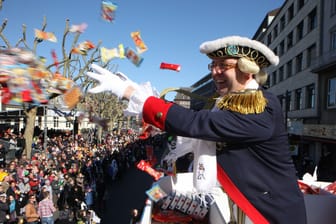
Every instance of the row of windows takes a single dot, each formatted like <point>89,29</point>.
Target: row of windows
<point>294,65</point>
<point>55,121</point>
<point>304,98</point>
<point>311,25</point>
<point>312,22</point>
<point>301,98</point>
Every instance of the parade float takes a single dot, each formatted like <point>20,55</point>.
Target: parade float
<point>173,198</point>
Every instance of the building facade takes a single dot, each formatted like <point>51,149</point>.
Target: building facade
<point>303,34</point>
<point>47,118</point>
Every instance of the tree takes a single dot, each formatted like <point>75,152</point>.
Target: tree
<point>73,67</point>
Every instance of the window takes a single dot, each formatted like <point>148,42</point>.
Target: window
<point>333,7</point>
<point>298,99</point>
<point>281,73</point>
<point>273,80</point>
<point>298,67</point>
<point>311,54</point>
<point>333,40</point>
<point>267,84</point>
<point>310,96</point>
<point>282,48</point>
<point>289,105</point>
<point>289,69</point>
<point>67,124</point>
<point>55,122</point>
<point>312,20</point>
<point>290,12</point>
<point>300,4</point>
<point>299,31</point>
<point>289,41</point>
<point>275,31</point>
<point>281,100</point>
<point>331,101</point>
<point>282,23</point>
<point>269,39</point>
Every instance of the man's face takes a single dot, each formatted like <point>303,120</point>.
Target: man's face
<point>32,199</point>
<point>226,75</point>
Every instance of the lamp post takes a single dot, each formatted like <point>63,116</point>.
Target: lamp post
<point>287,97</point>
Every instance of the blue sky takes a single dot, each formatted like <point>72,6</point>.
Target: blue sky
<point>172,30</point>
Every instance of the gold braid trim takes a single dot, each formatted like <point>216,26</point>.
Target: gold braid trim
<point>245,102</point>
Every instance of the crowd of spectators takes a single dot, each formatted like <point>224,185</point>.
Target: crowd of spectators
<point>69,176</point>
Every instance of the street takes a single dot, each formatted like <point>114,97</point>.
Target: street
<point>124,195</point>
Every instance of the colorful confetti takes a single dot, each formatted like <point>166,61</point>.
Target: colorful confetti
<point>133,56</point>
<point>41,35</point>
<point>83,48</point>
<point>108,54</point>
<point>174,67</point>
<point>78,28</point>
<point>108,10</point>
<point>140,45</point>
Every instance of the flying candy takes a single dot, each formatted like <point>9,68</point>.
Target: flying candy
<point>174,67</point>
<point>121,51</point>
<point>41,35</point>
<point>133,56</point>
<point>146,166</point>
<point>108,54</point>
<point>72,97</point>
<point>78,28</point>
<point>54,56</point>
<point>83,47</point>
<point>108,10</point>
<point>140,45</point>
<point>24,79</point>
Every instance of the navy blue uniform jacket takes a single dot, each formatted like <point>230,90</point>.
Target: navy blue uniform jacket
<point>257,159</point>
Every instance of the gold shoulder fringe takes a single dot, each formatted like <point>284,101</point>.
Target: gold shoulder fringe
<point>246,102</point>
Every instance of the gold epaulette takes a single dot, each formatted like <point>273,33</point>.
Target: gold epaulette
<point>244,102</point>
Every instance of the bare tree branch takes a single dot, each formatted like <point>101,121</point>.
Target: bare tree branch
<point>3,26</point>
<point>36,40</point>
<point>23,39</point>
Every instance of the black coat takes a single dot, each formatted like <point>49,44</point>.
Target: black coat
<point>256,158</point>
<point>4,209</point>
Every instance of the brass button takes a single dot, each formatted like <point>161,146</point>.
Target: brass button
<point>159,115</point>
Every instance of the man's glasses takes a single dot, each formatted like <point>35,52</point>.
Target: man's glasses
<point>222,66</point>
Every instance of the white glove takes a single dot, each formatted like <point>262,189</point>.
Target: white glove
<point>108,81</point>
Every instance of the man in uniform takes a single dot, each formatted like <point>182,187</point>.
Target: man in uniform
<point>247,122</point>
